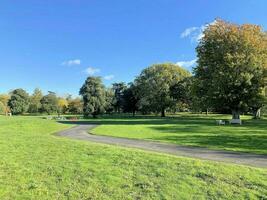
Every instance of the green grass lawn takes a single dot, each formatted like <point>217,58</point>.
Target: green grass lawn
<point>190,130</point>
<point>35,164</point>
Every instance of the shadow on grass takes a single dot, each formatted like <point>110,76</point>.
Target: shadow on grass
<point>196,122</point>
<point>142,122</point>
<point>257,143</point>
<point>196,131</point>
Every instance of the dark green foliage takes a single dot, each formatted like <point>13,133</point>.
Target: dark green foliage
<point>154,85</point>
<point>93,93</point>
<point>19,101</point>
<point>130,99</point>
<point>49,103</point>
<point>109,100</point>
<point>181,92</point>
<point>118,89</point>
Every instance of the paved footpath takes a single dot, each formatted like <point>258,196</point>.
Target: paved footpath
<point>81,132</point>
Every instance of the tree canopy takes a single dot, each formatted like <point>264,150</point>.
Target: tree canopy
<point>154,85</point>
<point>232,60</point>
<point>35,101</point>
<point>93,94</point>
<point>19,101</point>
<point>118,89</point>
<point>49,103</point>
<point>130,99</point>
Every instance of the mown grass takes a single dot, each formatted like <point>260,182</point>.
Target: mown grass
<point>190,130</point>
<point>35,164</point>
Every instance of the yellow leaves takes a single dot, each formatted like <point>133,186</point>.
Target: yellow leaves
<point>62,103</point>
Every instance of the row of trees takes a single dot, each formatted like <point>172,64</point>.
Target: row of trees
<point>230,76</point>
<point>151,92</point>
<point>19,102</point>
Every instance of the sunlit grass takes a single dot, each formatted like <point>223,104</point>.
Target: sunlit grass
<point>192,130</point>
<point>35,164</point>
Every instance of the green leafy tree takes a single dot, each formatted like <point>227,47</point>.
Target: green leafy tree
<point>75,106</point>
<point>19,101</point>
<point>49,103</point>
<point>130,99</point>
<point>232,60</point>
<point>118,89</point>
<point>35,101</point>
<point>154,85</point>
<point>93,93</point>
<point>182,93</point>
<point>109,100</point>
<point>199,93</point>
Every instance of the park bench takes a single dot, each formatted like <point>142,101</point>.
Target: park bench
<point>220,122</point>
<point>235,121</point>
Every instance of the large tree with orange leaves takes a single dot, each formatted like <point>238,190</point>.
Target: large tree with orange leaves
<point>232,64</point>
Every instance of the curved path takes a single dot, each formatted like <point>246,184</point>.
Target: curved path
<point>80,132</point>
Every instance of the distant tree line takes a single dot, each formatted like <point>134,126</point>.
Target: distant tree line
<point>230,77</point>
<point>19,102</point>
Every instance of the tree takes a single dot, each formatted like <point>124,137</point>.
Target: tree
<point>19,101</point>
<point>2,108</point>
<point>231,65</point>
<point>200,99</point>
<point>49,103</point>
<point>93,93</point>
<point>154,85</point>
<point>62,105</point>
<point>182,92</point>
<point>75,106</point>
<point>130,99</point>
<point>255,104</point>
<point>4,98</point>
<point>109,100</point>
<point>35,101</point>
<point>118,89</point>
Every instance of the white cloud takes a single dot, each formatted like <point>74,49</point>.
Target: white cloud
<point>72,62</point>
<point>91,70</point>
<point>187,64</point>
<point>188,31</point>
<point>196,33</point>
<point>109,77</point>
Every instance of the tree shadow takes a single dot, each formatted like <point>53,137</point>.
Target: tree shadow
<point>141,122</point>
<point>244,143</point>
<point>194,130</point>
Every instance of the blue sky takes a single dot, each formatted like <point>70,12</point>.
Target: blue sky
<point>56,44</point>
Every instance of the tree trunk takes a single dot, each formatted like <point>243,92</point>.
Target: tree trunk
<point>257,114</point>
<point>133,113</point>
<point>162,112</point>
<point>207,111</point>
<point>235,114</point>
